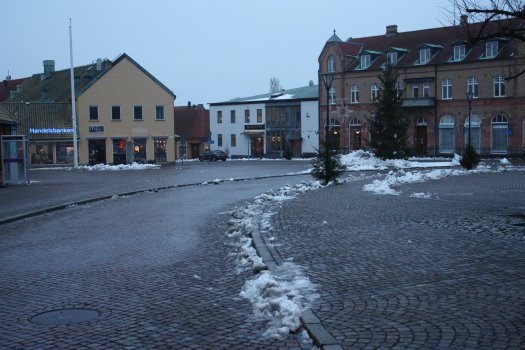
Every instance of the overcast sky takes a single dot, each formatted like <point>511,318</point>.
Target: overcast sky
<point>203,50</point>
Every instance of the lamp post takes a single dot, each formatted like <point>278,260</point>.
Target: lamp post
<point>328,78</point>
<point>470,96</point>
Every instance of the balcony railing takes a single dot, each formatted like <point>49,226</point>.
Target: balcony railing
<point>418,102</point>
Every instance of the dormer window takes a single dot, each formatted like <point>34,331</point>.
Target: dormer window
<point>365,61</point>
<point>459,52</point>
<point>491,49</point>
<point>424,55</point>
<point>391,58</point>
<point>331,64</point>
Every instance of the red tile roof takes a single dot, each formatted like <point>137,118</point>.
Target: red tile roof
<point>7,86</point>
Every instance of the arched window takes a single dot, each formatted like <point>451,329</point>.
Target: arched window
<point>499,137</point>
<point>355,133</point>
<point>331,64</point>
<point>446,134</point>
<point>421,122</point>
<point>475,132</point>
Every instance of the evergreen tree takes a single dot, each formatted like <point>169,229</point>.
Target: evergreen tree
<point>327,164</point>
<point>389,127</point>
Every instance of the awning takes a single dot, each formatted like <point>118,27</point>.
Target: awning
<point>253,132</point>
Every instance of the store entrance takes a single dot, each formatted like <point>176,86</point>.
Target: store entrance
<point>257,149</point>
<point>97,151</point>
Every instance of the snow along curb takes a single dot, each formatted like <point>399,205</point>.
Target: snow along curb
<point>322,338</point>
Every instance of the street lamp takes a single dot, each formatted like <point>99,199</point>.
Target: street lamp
<point>470,96</point>
<point>328,78</point>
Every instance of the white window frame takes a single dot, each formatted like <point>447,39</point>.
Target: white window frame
<point>415,90</point>
<point>499,123</point>
<point>331,64</point>
<point>473,86</point>
<point>446,89</point>
<point>459,52</point>
<point>475,133</point>
<point>354,93</point>
<point>365,61</point>
<point>424,55</point>
<point>447,122</point>
<point>391,57</point>
<point>491,49</point>
<point>374,92</point>
<point>498,86</point>
<point>332,95</point>
<point>426,89</point>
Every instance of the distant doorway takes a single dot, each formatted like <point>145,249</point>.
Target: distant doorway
<point>97,151</point>
<point>256,145</point>
<point>421,137</point>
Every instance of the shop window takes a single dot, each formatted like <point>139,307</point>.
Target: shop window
<point>499,136</point>
<point>446,134</point>
<point>139,150</point>
<point>160,146</point>
<point>119,151</point>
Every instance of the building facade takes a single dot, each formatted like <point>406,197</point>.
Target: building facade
<point>192,123</point>
<point>437,69</point>
<point>282,124</point>
<point>126,115</point>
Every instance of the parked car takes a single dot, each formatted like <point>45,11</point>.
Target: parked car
<point>213,155</point>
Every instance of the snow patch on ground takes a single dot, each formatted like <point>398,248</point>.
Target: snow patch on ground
<point>363,160</point>
<point>422,195</point>
<point>278,296</point>
<point>107,167</point>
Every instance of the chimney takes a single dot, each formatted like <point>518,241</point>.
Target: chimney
<point>49,67</point>
<point>463,20</point>
<point>391,30</point>
<point>189,104</point>
<point>99,65</point>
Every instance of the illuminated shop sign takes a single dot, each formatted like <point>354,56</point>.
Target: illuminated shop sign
<point>50,130</point>
<point>96,128</point>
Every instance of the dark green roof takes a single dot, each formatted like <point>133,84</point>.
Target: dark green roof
<point>310,92</point>
<point>334,39</point>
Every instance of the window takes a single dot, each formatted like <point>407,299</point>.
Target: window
<point>115,113</point>
<point>219,140</point>
<point>137,113</point>
<point>259,115</point>
<point>391,58</point>
<point>246,115</point>
<point>160,146</point>
<point>354,94</point>
<point>415,90</point>
<point>491,49</point>
<point>374,92</point>
<point>332,95</point>
<point>475,132</point>
<point>93,112</point>
<point>446,134</point>
<point>331,64</point>
<point>499,86</point>
<point>426,88</point>
<point>219,117</point>
<point>119,151</point>
<point>459,52</point>
<point>233,140</point>
<point>159,112</point>
<point>499,137</point>
<point>365,61</point>
<point>473,86</point>
<point>424,55</point>
<point>139,150</point>
<point>232,116</point>
<point>446,85</point>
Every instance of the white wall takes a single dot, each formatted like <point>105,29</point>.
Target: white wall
<point>310,126</point>
<point>226,128</point>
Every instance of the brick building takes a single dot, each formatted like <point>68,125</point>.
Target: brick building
<point>437,68</point>
<point>192,125</point>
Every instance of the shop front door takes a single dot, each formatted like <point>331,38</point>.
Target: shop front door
<point>257,149</point>
<point>421,140</point>
<point>97,151</point>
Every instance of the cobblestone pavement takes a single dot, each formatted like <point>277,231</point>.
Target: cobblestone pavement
<point>131,262</point>
<point>400,272</point>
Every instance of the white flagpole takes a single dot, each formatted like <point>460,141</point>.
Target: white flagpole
<point>73,98</point>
